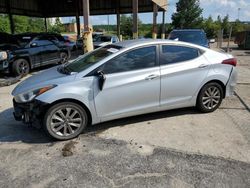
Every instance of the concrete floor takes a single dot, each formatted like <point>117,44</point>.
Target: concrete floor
<point>178,148</point>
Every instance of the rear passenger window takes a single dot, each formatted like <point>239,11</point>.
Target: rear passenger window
<point>133,60</point>
<point>175,54</point>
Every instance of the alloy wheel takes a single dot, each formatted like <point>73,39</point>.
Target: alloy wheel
<point>211,97</point>
<point>23,68</point>
<point>66,121</point>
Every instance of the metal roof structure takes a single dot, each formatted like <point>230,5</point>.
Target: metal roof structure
<point>61,8</point>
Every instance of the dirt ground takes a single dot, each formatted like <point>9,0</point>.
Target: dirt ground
<point>177,148</point>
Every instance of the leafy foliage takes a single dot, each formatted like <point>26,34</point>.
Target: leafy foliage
<point>188,15</point>
<point>57,27</point>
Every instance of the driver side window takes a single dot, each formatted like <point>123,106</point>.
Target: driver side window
<point>136,59</point>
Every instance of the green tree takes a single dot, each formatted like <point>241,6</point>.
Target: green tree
<point>188,14</point>
<point>4,24</point>
<point>20,24</point>
<point>35,25</point>
<point>210,27</point>
<point>57,27</point>
<point>237,27</point>
<point>225,25</point>
<point>127,26</point>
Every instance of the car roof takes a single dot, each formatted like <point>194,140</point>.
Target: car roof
<point>183,30</point>
<point>142,42</point>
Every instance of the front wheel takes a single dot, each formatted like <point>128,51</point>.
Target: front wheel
<point>65,120</point>
<point>20,67</point>
<point>210,97</point>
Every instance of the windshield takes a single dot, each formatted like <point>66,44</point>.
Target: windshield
<point>189,36</point>
<point>91,58</point>
<point>103,39</point>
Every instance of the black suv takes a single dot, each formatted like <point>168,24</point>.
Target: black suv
<point>22,52</point>
<point>195,36</point>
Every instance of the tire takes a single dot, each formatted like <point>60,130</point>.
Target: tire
<point>63,57</point>
<point>210,97</point>
<point>20,67</point>
<point>69,120</point>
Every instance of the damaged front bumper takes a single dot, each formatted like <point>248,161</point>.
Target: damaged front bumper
<point>29,113</point>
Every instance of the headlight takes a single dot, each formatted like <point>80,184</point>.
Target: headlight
<point>30,95</point>
<point>3,55</point>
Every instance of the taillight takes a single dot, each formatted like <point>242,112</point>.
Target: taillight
<point>231,61</point>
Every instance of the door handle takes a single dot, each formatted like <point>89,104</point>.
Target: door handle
<point>203,66</point>
<point>151,77</point>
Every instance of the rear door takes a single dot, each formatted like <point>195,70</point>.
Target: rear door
<point>183,69</point>
<point>132,84</point>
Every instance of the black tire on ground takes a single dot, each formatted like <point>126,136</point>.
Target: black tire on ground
<point>20,67</point>
<point>63,57</point>
<point>210,97</point>
<point>65,121</point>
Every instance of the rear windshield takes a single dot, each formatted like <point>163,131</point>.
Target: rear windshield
<point>103,39</point>
<point>196,37</point>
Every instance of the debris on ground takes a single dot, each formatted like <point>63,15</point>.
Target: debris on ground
<point>68,148</point>
<point>7,81</point>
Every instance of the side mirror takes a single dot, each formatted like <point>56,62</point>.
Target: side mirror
<point>101,79</point>
<point>34,44</point>
<point>212,41</point>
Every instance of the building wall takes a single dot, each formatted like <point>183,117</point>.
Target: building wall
<point>72,27</point>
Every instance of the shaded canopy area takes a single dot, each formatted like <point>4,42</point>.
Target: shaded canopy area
<point>60,8</point>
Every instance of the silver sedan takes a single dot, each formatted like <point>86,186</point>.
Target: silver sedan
<point>124,79</point>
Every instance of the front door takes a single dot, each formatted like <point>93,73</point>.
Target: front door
<point>132,84</point>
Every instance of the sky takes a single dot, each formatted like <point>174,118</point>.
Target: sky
<point>234,8</point>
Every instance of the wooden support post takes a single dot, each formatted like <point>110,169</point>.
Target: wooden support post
<point>78,29</point>
<point>118,25</point>
<point>155,9</point>
<point>135,19</point>
<point>163,28</point>
<point>45,25</point>
<point>12,26</point>
<point>87,36</point>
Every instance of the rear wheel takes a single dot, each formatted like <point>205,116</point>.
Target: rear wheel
<point>65,120</point>
<point>20,67</point>
<point>210,97</point>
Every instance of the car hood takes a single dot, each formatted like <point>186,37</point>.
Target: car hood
<point>42,79</point>
<point>10,47</point>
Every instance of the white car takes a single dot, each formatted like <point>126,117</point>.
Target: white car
<point>105,40</point>
<point>125,79</point>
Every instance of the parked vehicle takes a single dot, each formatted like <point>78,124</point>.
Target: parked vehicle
<point>243,40</point>
<point>30,50</point>
<point>79,42</point>
<point>70,43</point>
<point>104,40</point>
<point>124,79</point>
<point>195,36</point>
